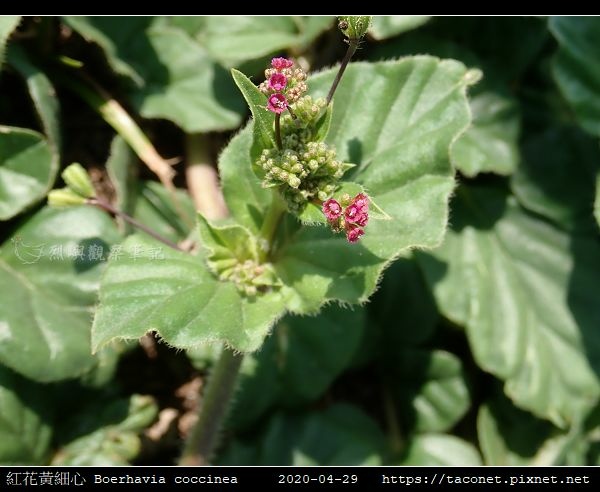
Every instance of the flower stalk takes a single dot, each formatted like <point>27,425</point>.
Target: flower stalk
<point>354,27</point>
<point>278,131</point>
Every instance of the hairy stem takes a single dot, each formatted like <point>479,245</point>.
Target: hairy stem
<point>278,131</point>
<point>127,218</point>
<point>352,45</point>
<point>204,437</point>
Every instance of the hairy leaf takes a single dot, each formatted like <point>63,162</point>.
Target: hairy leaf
<point>153,287</point>
<point>49,273</point>
<point>525,292</point>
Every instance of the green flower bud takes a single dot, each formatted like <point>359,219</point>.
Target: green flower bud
<point>65,197</point>
<point>294,181</point>
<point>354,26</point>
<point>78,180</point>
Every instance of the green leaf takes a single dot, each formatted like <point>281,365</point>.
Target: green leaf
<point>113,38</point>
<point>49,273</point>
<point>245,197</point>
<point>121,170</point>
<point>387,26</point>
<point>263,118</point>
<point>575,69</point>
<point>196,93</point>
<point>556,177</point>
<point>153,207</point>
<point>298,363</point>
<point>524,40</point>
<point>8,23</point>
<point>511,437</point>
<point>410,112</point>
<point>153,287</point>
<point>25,419</point>
<point>43,96</point>
<point>233,39</point>
<point>324,123</point>
<point>430,388</point>
<point>490,144</point>
<point>106,433</point>
<point>341,435</point>
<point>27,169</point>
<point>176,78</point>
<point>405,298</point>
<point>525,292</point>
<point>440,450</point>
<point>225,241</point>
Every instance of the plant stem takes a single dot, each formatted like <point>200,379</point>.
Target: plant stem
<point>202,178</point>
<point>352,45</point>
<point>271,222</point>
<point>116,116</point>
<point>278,131</point>
<point>203,439</point>
<point>127,218</point>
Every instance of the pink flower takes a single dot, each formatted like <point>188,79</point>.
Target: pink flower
<point>281,63</point>
<point>277,103</point>
<point>353,233</point>
<point>356,215</point>
<point>362,219</point>
<point>358,210</point>
<point>277,82</point>
<point>332,209</point>
<point>361,201</point>
<point>352,212</point>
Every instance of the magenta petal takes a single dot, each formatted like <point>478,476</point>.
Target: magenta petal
<point>332,209</point>
<point>354,233</point>
<point>352,212</point>
<point>277,103</point>
<point>281,63</point>
<point>277,82</point>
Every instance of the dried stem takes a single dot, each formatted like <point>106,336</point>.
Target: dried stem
<point>202,179</point>
<point>116,116</point>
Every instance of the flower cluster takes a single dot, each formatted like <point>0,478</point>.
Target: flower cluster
<point>283,85</point>
<point>352,218</point>
<point>303,171</point>
<point>249,276</point>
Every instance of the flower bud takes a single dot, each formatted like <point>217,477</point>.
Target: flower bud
<point>294,181</point>
<point>354,26</point>
<point>64,197</point>
<point>78,180</point>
